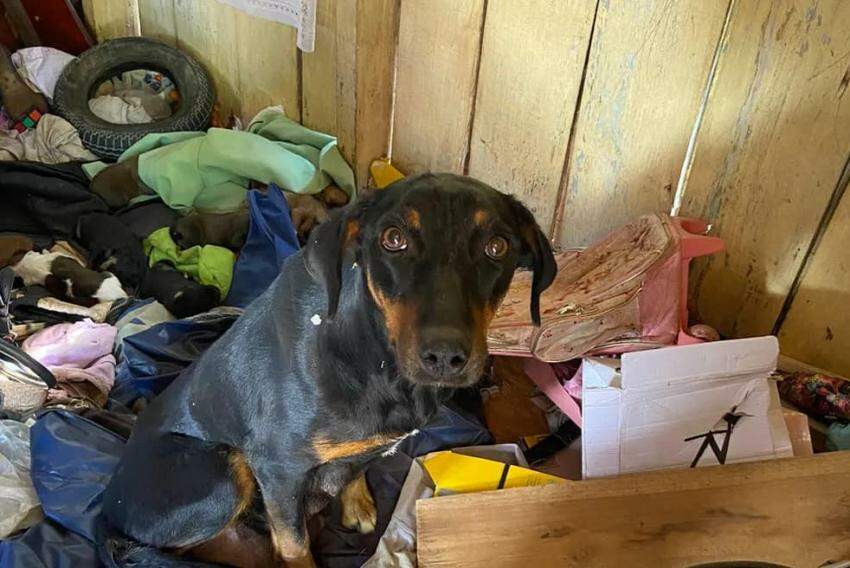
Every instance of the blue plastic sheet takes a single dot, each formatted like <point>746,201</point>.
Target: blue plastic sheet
<point>72,461</point>
<point>271,238</point>
<point>48,545</point>
<point>154,357</point>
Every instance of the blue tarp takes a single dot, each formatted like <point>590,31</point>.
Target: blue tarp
<point>271,238</point>
<point>72,461</point>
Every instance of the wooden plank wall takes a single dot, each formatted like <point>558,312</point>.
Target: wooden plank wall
<point>592,112</point>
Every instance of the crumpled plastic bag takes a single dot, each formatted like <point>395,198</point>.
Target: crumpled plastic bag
<point>19,504</point>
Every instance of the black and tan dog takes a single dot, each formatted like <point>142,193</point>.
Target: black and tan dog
<point>352,348</point>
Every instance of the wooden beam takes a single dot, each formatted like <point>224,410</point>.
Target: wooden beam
<point>793,512</point>
<point>348,80</point>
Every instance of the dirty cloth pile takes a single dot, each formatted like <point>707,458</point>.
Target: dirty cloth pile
<point>109,291</point>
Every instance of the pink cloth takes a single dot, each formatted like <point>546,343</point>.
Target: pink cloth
<point>80,357</point>
<point>71,344</point>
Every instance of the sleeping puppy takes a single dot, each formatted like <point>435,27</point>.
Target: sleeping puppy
<point>227,230</point>
<point>180,295</point>
<point>113,246</point>
<point>65,278</point>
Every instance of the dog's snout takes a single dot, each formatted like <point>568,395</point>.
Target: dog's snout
<point>444,355</point>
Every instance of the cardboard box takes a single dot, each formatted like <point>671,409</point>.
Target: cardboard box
<point>680,407</point>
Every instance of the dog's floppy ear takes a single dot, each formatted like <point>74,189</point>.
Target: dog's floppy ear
<point>326,248</point>
<point>535,254</point>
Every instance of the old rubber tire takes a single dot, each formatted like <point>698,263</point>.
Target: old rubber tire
<point>82,77</point>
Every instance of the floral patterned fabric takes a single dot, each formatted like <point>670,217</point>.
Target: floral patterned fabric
<point>817,394</point>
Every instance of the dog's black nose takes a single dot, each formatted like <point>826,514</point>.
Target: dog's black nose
<point>444,356</point>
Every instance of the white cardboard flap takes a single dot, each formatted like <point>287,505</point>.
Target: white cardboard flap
<point>704,360</point>
<point>672,400</point>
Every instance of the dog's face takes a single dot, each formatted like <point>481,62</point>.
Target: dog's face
<point>437,254</point>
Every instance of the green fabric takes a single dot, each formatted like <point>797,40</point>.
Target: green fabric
<point>210,171</point>
<point>838,437</point>
<point>208,264</point>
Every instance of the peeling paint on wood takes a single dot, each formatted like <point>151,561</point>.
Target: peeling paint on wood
<point>438,52</point>
<point>526,97</point>
<point>772,146</point>
<point>648,66</point>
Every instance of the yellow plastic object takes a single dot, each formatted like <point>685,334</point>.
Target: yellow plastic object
<point>384,173</point>
<point>457,473</point>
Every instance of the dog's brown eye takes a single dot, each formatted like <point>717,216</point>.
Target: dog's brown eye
<point>496,248</point>
<point>393,239</point>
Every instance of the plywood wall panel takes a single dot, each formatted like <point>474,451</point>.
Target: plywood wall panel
<point>157,20</point>
<point>772,146</point>
<point>526,97</point>
<point>110,19</point>
<point>208,31</point>
<point>648,66</point>
<point>267,66</point>
<point>329,74</point>
<point>377,29</point>
<point>438,49</point>
<point>817,328</point>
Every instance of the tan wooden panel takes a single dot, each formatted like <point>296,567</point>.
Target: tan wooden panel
<point>817,329</point>
<point>209,32</point>
<point>438,52</point>
<point>157,20</point>
<point>772,146</point>
<point>347,81</point>
<point>377,22</point>
<point>789,511</point>
<point>110,19</point>
<point>267,66</point>
<point>328,74</point>
<point>532,58</point>
<point>648,66</point>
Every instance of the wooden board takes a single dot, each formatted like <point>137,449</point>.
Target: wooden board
<point>207,30</point>
<point>347,81</point>
<point>110,19</point>
<point>794,512</point>
<point>817,329</point>
<point>157,20</point>
<point>267,66</point>
<point>377,36</point>
<point>526,97</point>
<point>329,76</point>
<point>439,43</point>
<point>648,66</point>
<point>772,146</point>
<point>320,95</point>
<point>253,62</point>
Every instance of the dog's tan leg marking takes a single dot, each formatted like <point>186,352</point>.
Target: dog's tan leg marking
<point>358,507</point>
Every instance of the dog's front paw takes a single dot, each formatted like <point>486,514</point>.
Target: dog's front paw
<point>358,507</point>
